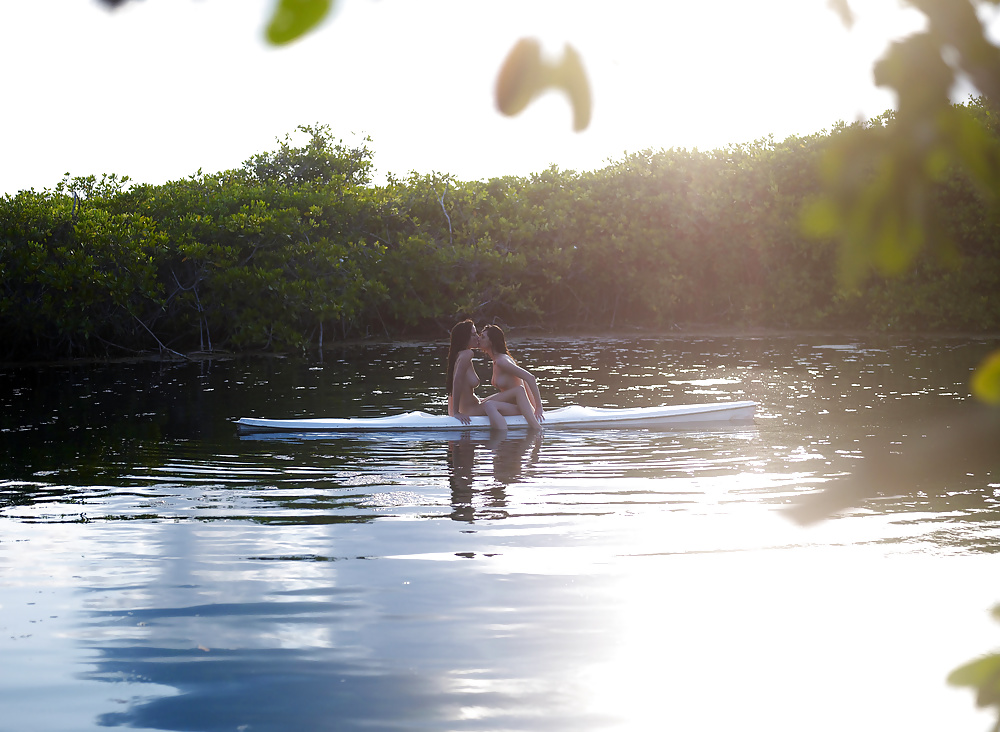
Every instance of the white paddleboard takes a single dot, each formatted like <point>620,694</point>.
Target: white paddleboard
<point>566,417</point>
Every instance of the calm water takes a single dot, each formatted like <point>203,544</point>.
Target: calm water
<point>159,572</point>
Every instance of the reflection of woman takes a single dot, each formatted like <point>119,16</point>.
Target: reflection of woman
<point>508,456</point>
<point>462,380</point>
<point>512,381</point>
<point>488,501</point>
<point>461,459</point>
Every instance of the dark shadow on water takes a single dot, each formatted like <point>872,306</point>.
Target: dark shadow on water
<point>926,465</point>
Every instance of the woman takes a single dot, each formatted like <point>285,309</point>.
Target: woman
<point>515,384</point>
<point>462,381</point>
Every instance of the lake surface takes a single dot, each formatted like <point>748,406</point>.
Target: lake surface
<point>158,571</point>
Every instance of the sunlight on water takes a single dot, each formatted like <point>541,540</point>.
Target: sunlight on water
<point>159,572</point>
<point>807,641</point>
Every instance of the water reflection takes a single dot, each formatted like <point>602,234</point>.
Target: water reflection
<point>195,579</point>
<point>509,456</point>
<point>248,637</point>
<point>926,464</point>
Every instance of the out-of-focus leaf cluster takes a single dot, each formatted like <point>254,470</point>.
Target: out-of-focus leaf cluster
<point>981,675</point>
<point>880,182</point>
<point>880,179</point>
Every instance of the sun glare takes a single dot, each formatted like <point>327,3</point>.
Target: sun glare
<point>419,79</point>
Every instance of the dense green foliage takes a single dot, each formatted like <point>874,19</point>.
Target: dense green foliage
<point>298,245</point>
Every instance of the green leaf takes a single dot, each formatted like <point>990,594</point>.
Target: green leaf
<point>986,383</point>
<point>974,147</point>
<point>983,674</point>
<point>820,218</point>
<point>898,242</point>
<point>976,673</point>
<point>294,18</point>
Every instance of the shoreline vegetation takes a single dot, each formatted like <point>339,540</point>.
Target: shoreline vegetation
<point>517,335</point>
<point>297,251</point>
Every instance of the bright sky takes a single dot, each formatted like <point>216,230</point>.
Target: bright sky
<point>160,88</point>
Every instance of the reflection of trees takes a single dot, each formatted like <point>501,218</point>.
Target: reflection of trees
<point>245,650</point>
<point>508,456</point>
<point>270,689</point>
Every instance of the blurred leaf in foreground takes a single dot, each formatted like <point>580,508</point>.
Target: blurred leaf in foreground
<point>986,380</point>
<point>525,75</point>
<point>983,675</point>
<point>880,176</point>
<point>294,18</point>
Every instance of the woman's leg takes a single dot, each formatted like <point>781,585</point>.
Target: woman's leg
<point>518,397</point>
<point>497,422</point>
<point>494,411</point>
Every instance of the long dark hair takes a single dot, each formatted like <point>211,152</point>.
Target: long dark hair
<point>460,336</point>
<point>497,339</point>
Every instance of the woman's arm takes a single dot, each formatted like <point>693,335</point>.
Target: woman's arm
<point>508,366</point>
<point>460,387</point>
<point>531,383</point>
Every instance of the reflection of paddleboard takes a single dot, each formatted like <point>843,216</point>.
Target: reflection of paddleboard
<point>567,417</point>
